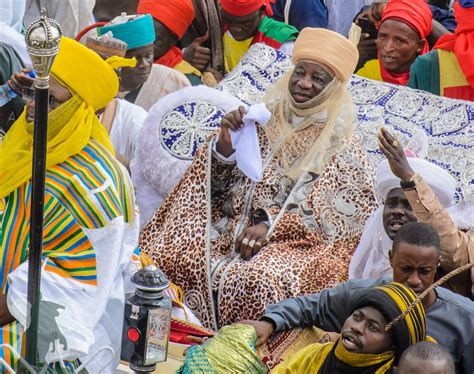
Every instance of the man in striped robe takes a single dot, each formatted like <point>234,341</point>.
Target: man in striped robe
<point>90,223</point>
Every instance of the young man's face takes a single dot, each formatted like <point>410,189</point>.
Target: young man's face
<point>415,365</point>
<point>131,78</point>
<point>398,46</point>
<point>364,332</point>
<point>396,212</point>
<point>414,266</point>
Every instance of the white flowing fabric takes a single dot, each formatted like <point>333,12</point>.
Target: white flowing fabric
<point>245,142</point>
<point>72,15</point>
<point>126,125</point>
<point>155,169</point>
<point>13,38</point>
<point>370,260</point>
<point>12,12</point>
<point>89,318</point>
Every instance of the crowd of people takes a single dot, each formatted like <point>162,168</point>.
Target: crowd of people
<point>292,246</point>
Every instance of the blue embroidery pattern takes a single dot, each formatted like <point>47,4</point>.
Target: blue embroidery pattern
<point>184,128</point>
<point>447,124</point>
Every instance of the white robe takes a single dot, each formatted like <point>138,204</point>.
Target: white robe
<point>126,125</point>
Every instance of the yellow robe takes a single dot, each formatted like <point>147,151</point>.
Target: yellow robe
<point>371,70</point>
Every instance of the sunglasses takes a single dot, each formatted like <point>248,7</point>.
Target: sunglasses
<point>29,94</point>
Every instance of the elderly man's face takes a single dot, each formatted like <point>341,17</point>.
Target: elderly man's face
<point>307,81</point>
<point>58,95</point>
<point>398,46</point>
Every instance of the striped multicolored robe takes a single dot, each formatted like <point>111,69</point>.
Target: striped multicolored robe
<point>270,32</point>
<point>439,72</point>
<point>90,236</point>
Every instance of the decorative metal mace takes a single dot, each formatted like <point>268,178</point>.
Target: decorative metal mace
<point>42,41</point>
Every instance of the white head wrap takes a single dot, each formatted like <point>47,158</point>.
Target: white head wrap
<point>440,181</point>
<point>370,260</point>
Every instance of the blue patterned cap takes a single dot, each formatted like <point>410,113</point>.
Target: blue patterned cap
<point>136,31</point>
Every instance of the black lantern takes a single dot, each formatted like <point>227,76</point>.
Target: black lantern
<point>147,321</point>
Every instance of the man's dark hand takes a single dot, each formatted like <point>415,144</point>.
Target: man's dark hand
<point>196,54</point>
<point>218,76</point>
<point>252,239</point>
<point>395,154</point>
<point>263,329</point>
<point>367,49</point>
<point>375,11</point>
<point>20,80</point>
<point>231,121</point>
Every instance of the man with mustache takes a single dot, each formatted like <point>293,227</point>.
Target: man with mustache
<point>402,34</point>
<point>414,258</point>
<point>145,83</point>
<point>141,86</point>
<point>263,229</point>
<point>365,345</point>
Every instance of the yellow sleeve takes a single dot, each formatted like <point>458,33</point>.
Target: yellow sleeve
<point>307,360</point>
<point>186,68</point>
<point>371,70</point>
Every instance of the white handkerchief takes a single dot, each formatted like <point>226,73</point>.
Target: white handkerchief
<point>245,142</point>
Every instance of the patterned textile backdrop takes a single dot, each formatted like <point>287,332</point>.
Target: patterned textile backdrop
<point>259,68</point>
<point>448,125</point>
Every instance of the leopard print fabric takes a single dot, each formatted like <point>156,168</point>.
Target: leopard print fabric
<point>316,225</point>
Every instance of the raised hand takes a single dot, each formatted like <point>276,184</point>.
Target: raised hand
<point>375,11</point>
<point>196,54</point>
<point>20,80</point>
<point>395,154</point>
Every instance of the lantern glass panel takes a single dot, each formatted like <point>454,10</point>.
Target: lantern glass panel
<point>158,330</point>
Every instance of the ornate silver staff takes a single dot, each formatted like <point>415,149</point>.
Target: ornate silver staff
<point>42,41</point>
